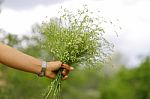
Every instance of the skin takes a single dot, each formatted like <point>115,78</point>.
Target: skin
<point>21,61</point>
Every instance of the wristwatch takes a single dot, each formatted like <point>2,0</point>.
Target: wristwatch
<point>43,65</point>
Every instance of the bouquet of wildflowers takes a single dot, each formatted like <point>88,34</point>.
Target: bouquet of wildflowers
<point>75,39</point>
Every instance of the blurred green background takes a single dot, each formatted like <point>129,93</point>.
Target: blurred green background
<point>110,82</point>
<point>117,82</point>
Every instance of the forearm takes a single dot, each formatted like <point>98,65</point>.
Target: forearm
<point>18,60</point>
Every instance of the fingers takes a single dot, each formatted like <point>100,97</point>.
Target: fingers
<point>65,77</point>
<point>54,67</point>
<point>66,66</point>
<point>65,73</point>
<point>66,70</point>
<point>51,75</point>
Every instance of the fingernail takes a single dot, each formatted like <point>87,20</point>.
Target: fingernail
<point>71,68</point>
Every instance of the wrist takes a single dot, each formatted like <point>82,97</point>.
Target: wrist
<point>43,69</point>
<point>37,66</point>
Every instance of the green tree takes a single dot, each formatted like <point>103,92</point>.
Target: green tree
<point>128,83</point>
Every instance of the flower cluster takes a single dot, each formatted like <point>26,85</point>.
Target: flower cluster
<point>76,38</point>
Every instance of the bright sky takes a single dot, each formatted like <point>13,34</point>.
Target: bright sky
<point>133,40</point>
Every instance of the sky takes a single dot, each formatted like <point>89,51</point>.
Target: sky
<point>18,16</point>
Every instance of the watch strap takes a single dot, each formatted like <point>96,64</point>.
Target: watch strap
<point>43,65</point>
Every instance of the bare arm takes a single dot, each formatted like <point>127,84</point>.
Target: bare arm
<point>18,60</point>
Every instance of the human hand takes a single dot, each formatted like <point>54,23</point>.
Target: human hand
<point>53,67</point>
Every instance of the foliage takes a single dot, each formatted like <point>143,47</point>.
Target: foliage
<point>129,83</point>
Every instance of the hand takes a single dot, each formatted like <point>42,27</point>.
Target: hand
<point>53,67</point>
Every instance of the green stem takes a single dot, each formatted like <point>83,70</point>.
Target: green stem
<point>55,87</point>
